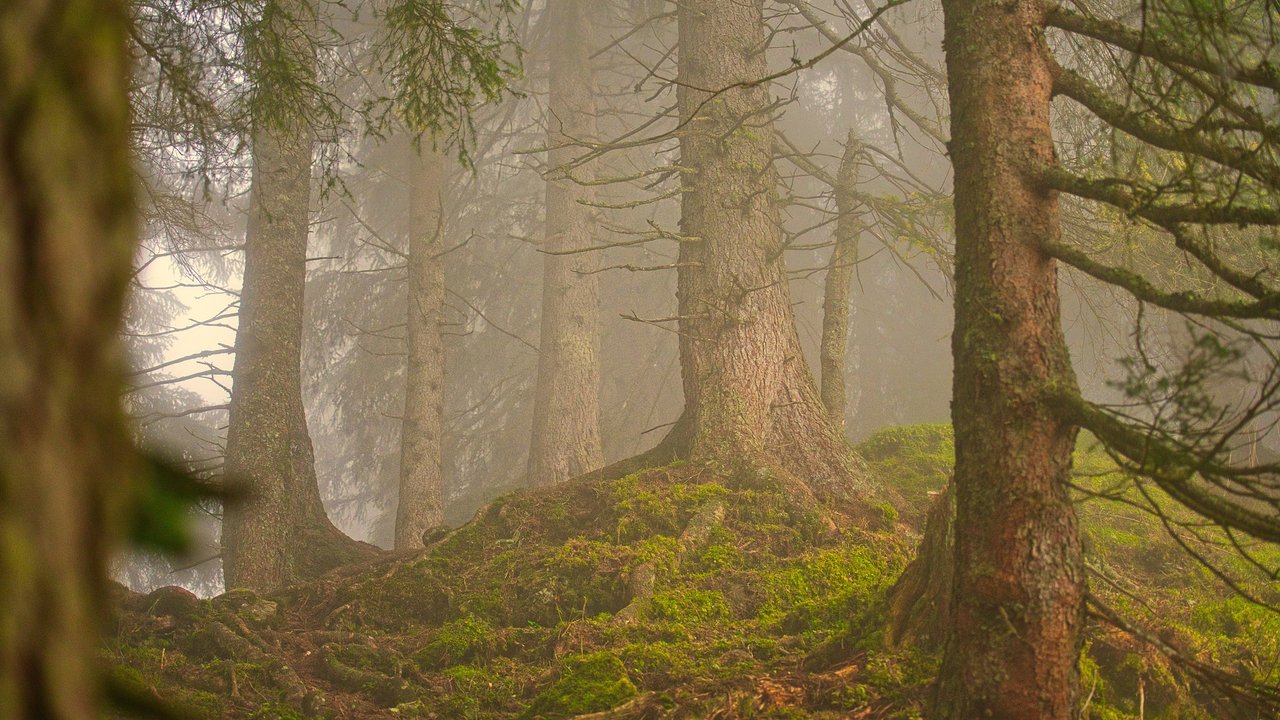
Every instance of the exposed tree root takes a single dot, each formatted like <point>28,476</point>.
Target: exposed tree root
<point>920,602</point>
<point>386,686</point>
<point>694,537</point>
<point>641,707</point>
<point>234,645</point>
<point>324,548</point>
<point>698,530</point>
<point>640,585</point>
<point>675,446</point>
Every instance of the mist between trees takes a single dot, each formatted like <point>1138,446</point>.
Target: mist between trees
<point>591,234</point>
<point>999,322</point>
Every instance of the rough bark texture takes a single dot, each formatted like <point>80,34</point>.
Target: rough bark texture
<point>280,533</point>
<point>835,291</point>
<point>421,505</point>
<point>920,602</point>
<point>566,418</point>
<point>66,242</point>
<point>1017,611</point>
<point>748,391</point>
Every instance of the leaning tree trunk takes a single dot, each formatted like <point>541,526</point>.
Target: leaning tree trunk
<point>748,391</point>
<point>835,292</point>
<point>66,242</point>
<point>1017,608</point>
<point>566,414</point>
<point>421,505</point>
<point>280,534</point>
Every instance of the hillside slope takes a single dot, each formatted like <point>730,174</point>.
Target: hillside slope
<point>676,592</point>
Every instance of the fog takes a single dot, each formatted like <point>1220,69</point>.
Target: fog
<point>639,359</point>
<point>897,368</point>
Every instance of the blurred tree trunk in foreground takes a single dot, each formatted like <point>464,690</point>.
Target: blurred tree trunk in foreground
<point>66,242</point>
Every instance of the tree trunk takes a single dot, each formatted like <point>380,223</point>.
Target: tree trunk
<point>835,291</point>
<point>66,242</point>
<point>421,487</point>
<point>748,392</point>
<point>1017,610</point>
<point>280,534</point>
<point>920,601</point>
<point>566,416</point>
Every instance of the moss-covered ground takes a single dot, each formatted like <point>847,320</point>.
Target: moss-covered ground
<point>677,592</point>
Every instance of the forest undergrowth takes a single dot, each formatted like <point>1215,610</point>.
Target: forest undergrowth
<point>678,592</point>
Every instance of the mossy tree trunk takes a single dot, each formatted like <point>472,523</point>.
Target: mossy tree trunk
<point>421,505</point>
<point>280,534</point>
<point>748,391</point>
<point>835,292</point>
<point>1017,604</point>
<point>566,415</point>
<point>920,601</point>
<point>67,237</point>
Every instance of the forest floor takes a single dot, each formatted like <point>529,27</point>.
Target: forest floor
<point>676,592</point>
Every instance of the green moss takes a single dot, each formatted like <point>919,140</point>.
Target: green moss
<point>690,497</point>
<point>822,590</point>
<point>583,558</point>
<point>458,641</point>
<point>641,511</point>
<point>513,612</point>
<point>489,602</point>
<point>588,683</point>
<point>201,704</point>
<point>129,680</point>
<point>916,460</point>
<point>720,553</point>
<point>581,578</point>
<point>276,711</point>
<point>248,606</point>
<point>471,691</point>
<point>366,657</point>
<point>414,596</point>
<point>661,550</point>
<point>853,696</point>
<point>901,676</point>
<point>661,662</point>
<point>1236,616</point>
<point>559,513</point>
<point>1098,711</point>
<point>690,606</point>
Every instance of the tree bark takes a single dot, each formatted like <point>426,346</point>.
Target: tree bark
<point>835,292</point>
<point>1017,610</point>
<point>566,416</point>
<point>280,534</point>
<point>920,601</point>
<point>421,504</point>
<point>67,237</point>
<point>748,392</point>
